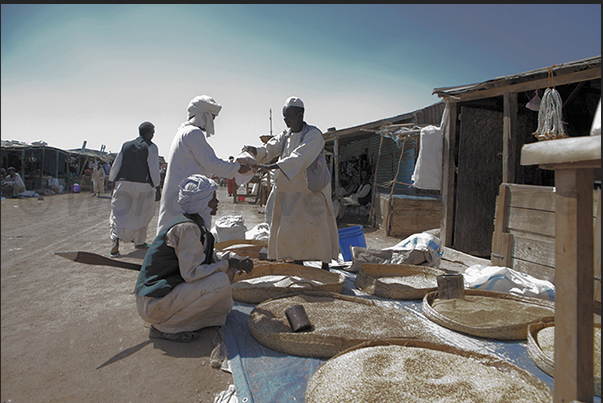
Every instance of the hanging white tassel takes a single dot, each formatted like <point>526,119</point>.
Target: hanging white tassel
<point>550,123</point>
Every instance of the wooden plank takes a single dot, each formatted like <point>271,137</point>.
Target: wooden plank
<point>500,255</point>
<point>574,286</point>
<point>534,197</point>
<point>535,270</point>
<point>597,248</point>
<point>448,175</point>
<point>531,221</point>
<point>540,251</point>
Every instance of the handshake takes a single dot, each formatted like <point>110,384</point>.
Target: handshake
<point>247,159</point>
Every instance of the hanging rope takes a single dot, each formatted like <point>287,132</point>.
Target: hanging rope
<point>550,123</point>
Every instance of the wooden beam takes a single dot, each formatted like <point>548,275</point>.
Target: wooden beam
<point>510,141</point>
<point>448,176</point>
<point>585,75</point>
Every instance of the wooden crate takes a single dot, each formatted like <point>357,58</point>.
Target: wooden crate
<point>524,232</point>
<point>407,215</point>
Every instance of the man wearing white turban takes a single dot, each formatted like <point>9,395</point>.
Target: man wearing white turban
<point>184,284</point>
<point>302,222</point>
<point>190,154</point>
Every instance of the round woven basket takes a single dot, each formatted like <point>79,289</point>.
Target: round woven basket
<point>545,362</point>
<point>243,247</point>
<point>371,276</point>
<point>516,331</point>
<point>371,372</point>
<point>338,322</point>
<point>332,282</point>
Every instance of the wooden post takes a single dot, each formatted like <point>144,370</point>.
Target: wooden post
<point>509,151</point>
<point>448,176</point>
<point>574,284</point>
<point>372,212</point>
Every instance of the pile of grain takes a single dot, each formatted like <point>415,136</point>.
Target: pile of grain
<point>338,322</point>
<point>546,341</point>
<point>411,374</point>
<point>483,311</point>
<point>272,281</point>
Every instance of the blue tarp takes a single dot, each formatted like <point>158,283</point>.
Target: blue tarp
<point>262,375</point>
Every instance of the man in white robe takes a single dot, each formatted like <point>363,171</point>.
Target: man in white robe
<point>190,154</point>
<point>135,173</point>
<point>98,179</point>
<point>302,222</point>
<point>184,283</point>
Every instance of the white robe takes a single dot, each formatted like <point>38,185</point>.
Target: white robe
<point>190,154</point>
<point>302,223</point>
<point>133,203</point>
<point>204,299</point>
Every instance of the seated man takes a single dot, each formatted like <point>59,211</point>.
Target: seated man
<point>360,198</point>
<point>12,184</point>
<point>184,284</point>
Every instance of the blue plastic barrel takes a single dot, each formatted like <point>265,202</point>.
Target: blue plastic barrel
<point>348,237</point>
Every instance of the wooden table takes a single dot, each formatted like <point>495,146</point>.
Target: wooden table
<point>573,160</point>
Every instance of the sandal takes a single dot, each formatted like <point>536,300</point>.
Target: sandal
<point>180,337</point>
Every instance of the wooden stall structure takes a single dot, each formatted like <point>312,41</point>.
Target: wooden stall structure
<point>487,125</point>
<point>387,149</point>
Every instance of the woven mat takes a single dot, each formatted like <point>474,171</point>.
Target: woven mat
<point>263,375</point>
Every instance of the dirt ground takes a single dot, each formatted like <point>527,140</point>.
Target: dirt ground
<point>70,331</point>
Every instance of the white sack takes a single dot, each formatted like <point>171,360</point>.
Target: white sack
<point>229,227</point>
<point>504,279</point>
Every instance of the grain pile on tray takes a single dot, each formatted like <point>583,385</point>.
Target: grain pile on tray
<point>488,314</point>
<point>397,281</point>
<point>275,279</point>
<point>250,248</point>
<point>338,322</point>
<point>541,348</point>
<point>421,372</point>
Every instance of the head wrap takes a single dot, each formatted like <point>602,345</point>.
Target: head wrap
<point>293,101</point>
<point>200,111</point>
<point>194,195</point>
<point>145,128</point>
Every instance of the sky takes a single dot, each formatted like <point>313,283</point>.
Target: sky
<point>75,73</point>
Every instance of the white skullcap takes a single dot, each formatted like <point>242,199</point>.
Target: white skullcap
<point>200,111</point>
<point>293,101</point>
<point>195,193</point>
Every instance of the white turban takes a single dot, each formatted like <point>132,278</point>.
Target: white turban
<point>293,101</point>
<point>201,111</point>
<point>194,195</point>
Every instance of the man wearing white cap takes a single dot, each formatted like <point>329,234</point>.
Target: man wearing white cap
<point>302,221</point>
<point>184,284</point>
<point>190,154</point>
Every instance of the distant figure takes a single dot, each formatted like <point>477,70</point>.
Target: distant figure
<point>98,179</point>
<point>135,172</point>
<point>191,154</point>
<point>302,222</point>
<point>230,181</point>
<point>184,283</point>
<point>12,184</point>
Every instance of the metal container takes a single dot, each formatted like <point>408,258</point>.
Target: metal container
<point>451,286</point>
<point>298,320</point>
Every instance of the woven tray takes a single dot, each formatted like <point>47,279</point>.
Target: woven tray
<point>332,282</point>
<point>243,247</point>
<point>339,322</point>
<point>546,362</point>
<point>414,371</point>
<point>512,331</point>
<point>371,278</point>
